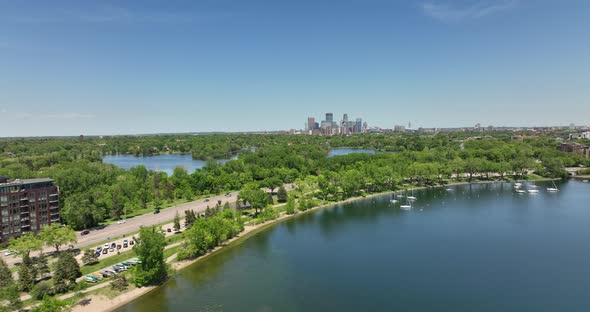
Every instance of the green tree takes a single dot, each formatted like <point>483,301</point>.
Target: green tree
<point>26,243</point>
<point>67,270</point>
<point>282,195</point>
<point>9,296</point>
<point>149,247</point>
<point>89,257</point>
<point>176,222</point>
<point>189,218</point>
<point>56,236</point>
<point>50,304</point>
<point>41,266</point>
<point>256,197</point>
<point>41,290</point>
<point>290,207</point>
<point>26,274</point>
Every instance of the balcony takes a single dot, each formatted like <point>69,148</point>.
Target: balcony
<point>54,200</point>
<point>24,198</point>
<point>24,212</point>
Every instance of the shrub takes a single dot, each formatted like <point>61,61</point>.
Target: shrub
<point>41,290</point>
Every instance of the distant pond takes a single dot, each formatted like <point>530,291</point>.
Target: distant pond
<point>339,151</point>
<point>165,163</point>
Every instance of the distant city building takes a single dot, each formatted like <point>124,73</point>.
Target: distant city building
<point>27,206</point>
<point>329,117</point>
<point>330,127</point>
<point>399,128</point>
<point>583,135</point>
<point>358,127</point>
<point>311,123</point>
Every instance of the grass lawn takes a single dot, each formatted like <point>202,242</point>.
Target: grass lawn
<point>106,262</point>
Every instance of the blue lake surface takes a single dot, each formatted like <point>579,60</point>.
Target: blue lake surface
<point>165,163</point>
<point>479,247</point>
<point>339,151</point>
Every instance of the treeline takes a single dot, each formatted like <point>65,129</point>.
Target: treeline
<point>205,233</point>
<point>92,192</point>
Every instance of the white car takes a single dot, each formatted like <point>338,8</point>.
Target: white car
<point>121,222</point>
<point>8,253</point>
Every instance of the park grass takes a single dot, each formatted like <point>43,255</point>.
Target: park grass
<point>107,262</point>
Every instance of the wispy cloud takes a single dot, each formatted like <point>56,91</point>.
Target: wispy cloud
<point>449,13</point>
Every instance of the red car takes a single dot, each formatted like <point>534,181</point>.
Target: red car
<point>85,232</point>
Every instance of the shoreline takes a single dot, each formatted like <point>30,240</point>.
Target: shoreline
<point>100,303</point>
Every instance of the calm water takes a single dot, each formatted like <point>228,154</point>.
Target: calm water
<point>475,248</point>
<point>165,163</point>
<point>345,151</point>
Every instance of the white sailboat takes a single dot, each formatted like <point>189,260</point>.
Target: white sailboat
<point>407,206</point>
<point>554,188</point>
<point>519,191</point>
<point>533,191</point>
<point>412,197</point>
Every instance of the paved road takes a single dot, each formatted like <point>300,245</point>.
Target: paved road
<point>116,231</point>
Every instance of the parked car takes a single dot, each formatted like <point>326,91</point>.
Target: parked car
<point>90,279</point>
<point>206,200</point>
<point>112,272</point>
<point>113,245</point>
<point>106,246</point>
<point>105,251</point>
<point>98,248</point>
<point>119,246</point>
<point>119,267</point>
<point>121,222</point>
<point>125,243</point>
<point>228,195</point>
<point>85,232</point>
<point>131,242</point>
<point>8,252</point>
<point>168,230</point>
<point>97,254</point>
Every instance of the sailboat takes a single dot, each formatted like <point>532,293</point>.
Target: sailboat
<point>554,188</point>
<point>412,197</point>
<point>407,206</point>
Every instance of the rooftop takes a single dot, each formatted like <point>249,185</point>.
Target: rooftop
<point>26,181</point>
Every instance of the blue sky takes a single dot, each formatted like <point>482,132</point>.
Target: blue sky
<point>113,67</point>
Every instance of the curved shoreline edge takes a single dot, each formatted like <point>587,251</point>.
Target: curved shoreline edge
<point>249,231</point>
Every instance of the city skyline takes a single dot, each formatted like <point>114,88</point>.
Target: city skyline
<point>124,67</point>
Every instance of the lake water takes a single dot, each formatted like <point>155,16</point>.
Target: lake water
<point>165,163</point>
<point>474,248</point>
<point>339,151</point>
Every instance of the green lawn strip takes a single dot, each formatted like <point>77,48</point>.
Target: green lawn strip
<point>107,262</point>
<point>170,251</point>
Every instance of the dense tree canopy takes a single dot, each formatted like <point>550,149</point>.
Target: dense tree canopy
<point>92,191</point>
